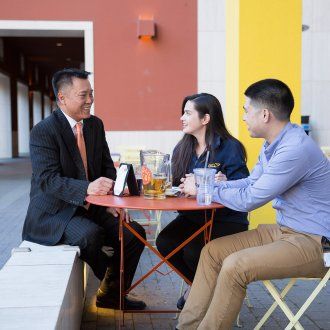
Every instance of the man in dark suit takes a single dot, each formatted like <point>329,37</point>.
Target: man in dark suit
<point>70,160</point>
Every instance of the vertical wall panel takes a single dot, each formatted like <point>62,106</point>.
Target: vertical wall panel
<point>23,118</point>
<point>316,69</point>
<point>47,106</point>
<point>212,48</point>
<point>36,107</point>
<point>260,33</point>
<point>5,115</point>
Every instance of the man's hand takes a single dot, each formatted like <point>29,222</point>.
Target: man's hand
<point>220,177</point>
<point>188,186</point>
<point>115,212</point>
<point>101,186</point>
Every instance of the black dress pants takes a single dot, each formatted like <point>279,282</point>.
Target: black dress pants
<point>95,228</point>
<point>186,260</point>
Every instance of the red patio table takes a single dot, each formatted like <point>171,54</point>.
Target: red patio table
<point>141,203</point>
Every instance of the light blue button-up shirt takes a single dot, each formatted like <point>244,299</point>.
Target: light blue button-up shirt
<point>294,173</point>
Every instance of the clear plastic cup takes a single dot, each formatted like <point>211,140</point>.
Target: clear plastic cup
<point>204,178</point>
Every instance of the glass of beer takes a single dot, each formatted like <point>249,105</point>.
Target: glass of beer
<point>154,167</point>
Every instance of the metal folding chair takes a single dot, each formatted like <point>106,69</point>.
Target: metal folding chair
<point>249,305</point>
<point>326,151</point>
<point>279,301</point>
<point>238,320</point>
<point>130,154</point>
<point>152,219</point>
<point>116,158</point>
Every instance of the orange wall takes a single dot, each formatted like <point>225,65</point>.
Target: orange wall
<point>139,85</point>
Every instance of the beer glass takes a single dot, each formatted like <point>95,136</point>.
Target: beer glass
<point>154,171</point>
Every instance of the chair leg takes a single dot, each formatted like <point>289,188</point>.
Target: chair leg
<point>152,218</point>
<point>238,322</point>
<point>249,305</point>
<point>278,302</point>
<point>248,302</point>
<point>158,216</point>
<point>310,299</point>
<point>180,294</point>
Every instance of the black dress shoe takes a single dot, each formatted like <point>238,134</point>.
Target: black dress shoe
<point>108,301</point>
<point>134,304</point>
<point>181,302</point>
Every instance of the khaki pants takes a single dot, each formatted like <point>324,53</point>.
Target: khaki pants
<point>228,264</point>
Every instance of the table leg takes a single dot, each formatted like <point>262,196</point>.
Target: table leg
<point>121,279</point>
<point>165,259</point>
<point>206,228</point>
<point>210,228</point>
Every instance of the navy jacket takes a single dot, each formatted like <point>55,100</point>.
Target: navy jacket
<point>59,183</point>
<point>225,156</point>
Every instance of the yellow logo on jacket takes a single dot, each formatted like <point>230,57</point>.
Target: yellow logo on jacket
<point>214,165</point>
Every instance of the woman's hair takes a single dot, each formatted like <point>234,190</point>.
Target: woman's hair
<point>204,104</point>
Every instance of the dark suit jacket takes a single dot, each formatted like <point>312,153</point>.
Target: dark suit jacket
<point>59,183</point>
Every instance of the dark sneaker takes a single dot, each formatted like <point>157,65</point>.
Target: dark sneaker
<point>181,302</point>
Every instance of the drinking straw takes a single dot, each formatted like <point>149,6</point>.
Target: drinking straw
<point>207,159</point>
<point>205,165</point>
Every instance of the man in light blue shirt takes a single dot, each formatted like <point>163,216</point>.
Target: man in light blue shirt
<point>293,173</point>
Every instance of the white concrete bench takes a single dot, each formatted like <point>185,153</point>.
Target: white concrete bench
<point>42,287</point>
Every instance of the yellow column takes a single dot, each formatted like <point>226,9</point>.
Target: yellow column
<point>263,40</point>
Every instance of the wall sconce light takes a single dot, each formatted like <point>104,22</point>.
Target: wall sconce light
<point>146,28</point>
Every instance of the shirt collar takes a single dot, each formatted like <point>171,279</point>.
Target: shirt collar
<point>71,121</point>
<point>270,148</point>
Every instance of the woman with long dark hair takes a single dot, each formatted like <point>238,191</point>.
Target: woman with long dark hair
<point>204,130</point>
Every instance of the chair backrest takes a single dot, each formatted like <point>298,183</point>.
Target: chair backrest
<point>326,151</point>
<point>130,154</point>
<point>116,156</point>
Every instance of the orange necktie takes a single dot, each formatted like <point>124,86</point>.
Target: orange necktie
<point>82,146</point>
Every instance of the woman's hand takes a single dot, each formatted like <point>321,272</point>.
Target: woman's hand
<point>220,177</point>
<point>188,186</point>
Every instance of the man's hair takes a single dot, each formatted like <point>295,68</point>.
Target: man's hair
<point>64,77</point>
<point>274,95</point>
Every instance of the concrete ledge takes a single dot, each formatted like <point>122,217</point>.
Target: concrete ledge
<point>42,287</point>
